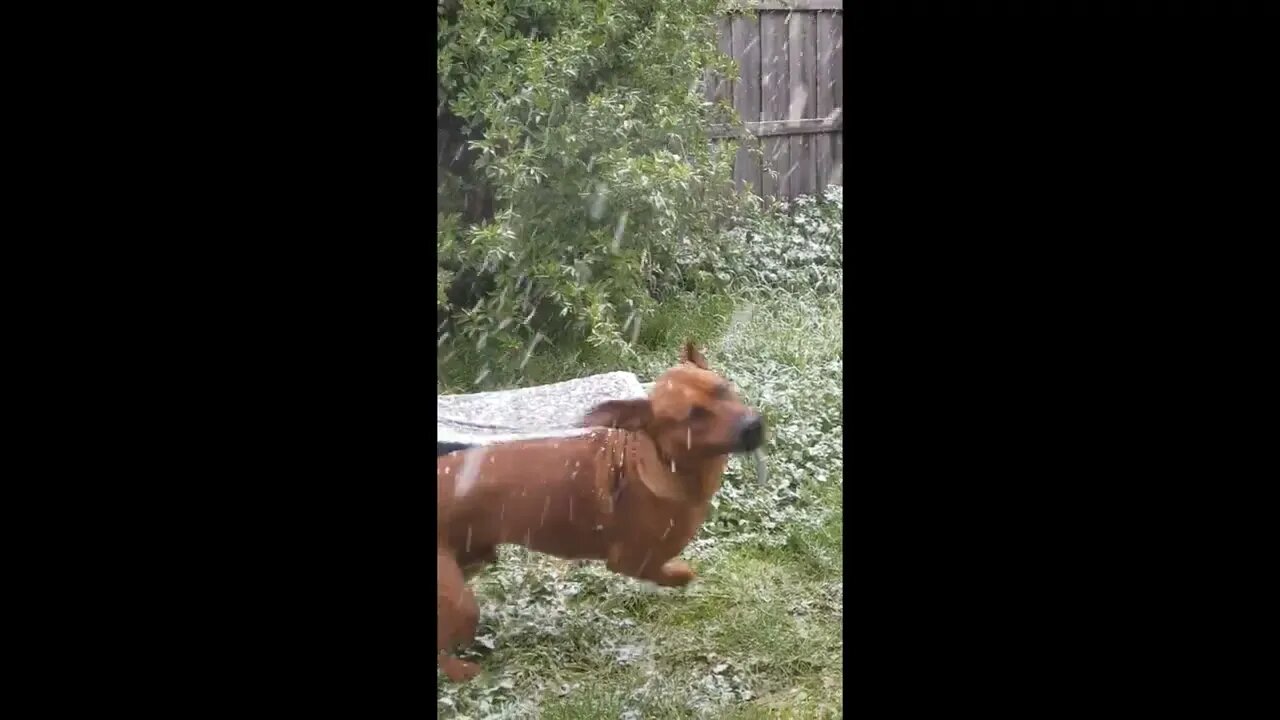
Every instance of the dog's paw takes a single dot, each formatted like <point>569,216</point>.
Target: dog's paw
<point>458,670</point>
<point>677,573</point>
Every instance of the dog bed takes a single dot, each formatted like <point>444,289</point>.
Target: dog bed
<point>554,410</point>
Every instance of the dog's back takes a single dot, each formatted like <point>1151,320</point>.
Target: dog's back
<point>546,494</point>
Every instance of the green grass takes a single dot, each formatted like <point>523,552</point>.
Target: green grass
<point>760,633</point>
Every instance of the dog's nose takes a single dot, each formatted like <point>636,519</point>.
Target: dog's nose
<point>751,432</point>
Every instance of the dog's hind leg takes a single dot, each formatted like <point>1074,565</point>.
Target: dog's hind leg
<point>456,617</point>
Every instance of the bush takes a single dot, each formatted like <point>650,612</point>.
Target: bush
<point>578,163</point>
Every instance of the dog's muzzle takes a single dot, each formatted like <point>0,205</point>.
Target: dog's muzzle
<point>750,432</point>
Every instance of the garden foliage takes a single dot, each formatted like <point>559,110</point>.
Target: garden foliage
<point>573,163</point>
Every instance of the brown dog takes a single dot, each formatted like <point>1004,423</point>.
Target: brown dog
<point>632,493</point>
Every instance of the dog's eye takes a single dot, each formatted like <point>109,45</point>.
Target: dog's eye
<point>699,413</point>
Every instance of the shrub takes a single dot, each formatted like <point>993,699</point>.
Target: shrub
<point>578,164</point>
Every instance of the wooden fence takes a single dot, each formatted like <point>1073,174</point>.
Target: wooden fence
<point>789,92</point>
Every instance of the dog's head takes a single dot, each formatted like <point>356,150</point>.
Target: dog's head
<point>691,413</point>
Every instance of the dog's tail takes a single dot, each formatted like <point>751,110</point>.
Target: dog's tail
<point>444,448</point>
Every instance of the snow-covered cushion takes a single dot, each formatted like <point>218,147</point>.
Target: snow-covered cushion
<point>554,410</point>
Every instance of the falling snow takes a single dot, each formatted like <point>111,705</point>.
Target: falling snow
<point>598,201</point>
<point>538,337</point>
<point>471,460</point>
<point>797,107</point>
<point>836,171</point>
<point>618,230</point>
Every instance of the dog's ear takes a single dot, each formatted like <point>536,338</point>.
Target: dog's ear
<point>690,354</point>
<point>662,483</point>
<point>624,414</point>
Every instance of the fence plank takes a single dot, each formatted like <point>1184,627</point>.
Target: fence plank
<point>803,53</point>
<point>823,85</point>
<point>746,96</point>
<point>724,88</point>
<point>836,65</point>
<point>821,160</point>
<point>837,60</point>
<point>837,160</point>
<point>724,42</point>
<point>774,66</point>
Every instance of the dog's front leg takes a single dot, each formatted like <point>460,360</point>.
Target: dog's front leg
<point>456,617</point>
<point>455,669</point>
<point>672,572</point>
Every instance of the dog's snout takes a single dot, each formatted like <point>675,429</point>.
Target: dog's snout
<point>751,432</point>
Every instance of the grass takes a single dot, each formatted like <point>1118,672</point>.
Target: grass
<point>760,633</point>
